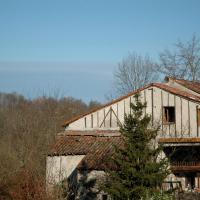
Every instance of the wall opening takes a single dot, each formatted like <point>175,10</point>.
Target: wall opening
<point>168,114</point>
<point>198,116</point>
<point>104,197</point>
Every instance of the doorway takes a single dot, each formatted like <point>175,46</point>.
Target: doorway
<point>190,181</point>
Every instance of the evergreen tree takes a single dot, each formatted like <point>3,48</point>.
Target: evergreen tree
<point>138,167</point>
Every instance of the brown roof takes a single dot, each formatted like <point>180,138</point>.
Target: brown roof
<point>177,92</point>
<point>97,146</point>
<point>162,86</point>
<point>192,85</point>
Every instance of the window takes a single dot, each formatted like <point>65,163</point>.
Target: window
<point>198,116</point>
<point>104,197</point>
<point>169,114</point>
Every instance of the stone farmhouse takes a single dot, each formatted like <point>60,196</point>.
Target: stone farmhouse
<point>88,139</point>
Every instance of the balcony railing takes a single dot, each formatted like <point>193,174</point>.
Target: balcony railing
<point>184,163</point>
<point>179,140</point>
<point>185,166</point>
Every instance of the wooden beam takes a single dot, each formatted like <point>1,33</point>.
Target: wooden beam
<point>189,118</point>
<point>145,100</point>
<point>197,117</point>
<point>152,104</point>
<point>118,121</point>
<point>117,114</point>
<point>189,168</point>
<point>105,115</point>
<point>91,120</point>
<point>179,140</point>
<point>85,122</point>
<point>181,117</point>
<point>162,110</point>
<point>175,115</point>
<point>110,117</point>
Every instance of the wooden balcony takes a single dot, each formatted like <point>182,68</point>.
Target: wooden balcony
<point>182,166</point>
<point>176,141</point>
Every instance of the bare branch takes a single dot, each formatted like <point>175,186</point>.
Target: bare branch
<point>184,62</point>
<point>134,72</point>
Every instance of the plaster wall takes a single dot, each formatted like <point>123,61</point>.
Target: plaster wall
<point>59,168</point>
<point>108,117</point>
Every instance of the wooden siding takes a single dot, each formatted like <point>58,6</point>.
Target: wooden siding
<point>111,116</point>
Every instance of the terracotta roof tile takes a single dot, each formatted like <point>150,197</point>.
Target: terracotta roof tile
<point>96,147</point>
<point>192,85</point>
<point>178,92</point>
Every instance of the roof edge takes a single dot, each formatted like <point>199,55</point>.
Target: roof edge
<point>181,82</point>
<point>107,104</point>
<point>162,86</point>
<point>94,133</point>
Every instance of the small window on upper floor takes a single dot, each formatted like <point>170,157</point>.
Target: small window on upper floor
<point>168,114</point>
<point>198,116</point>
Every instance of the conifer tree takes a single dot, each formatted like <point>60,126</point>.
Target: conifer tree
<point>138,166</point>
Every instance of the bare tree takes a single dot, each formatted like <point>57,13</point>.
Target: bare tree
<point>27,130</point>
<point>183,62</point>
<point>134,72</point>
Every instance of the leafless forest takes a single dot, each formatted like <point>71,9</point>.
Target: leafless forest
<point>27,130</point>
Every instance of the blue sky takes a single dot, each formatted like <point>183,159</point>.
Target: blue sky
<point>73,46</point>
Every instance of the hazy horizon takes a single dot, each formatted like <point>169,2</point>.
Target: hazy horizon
<point>75,46</point>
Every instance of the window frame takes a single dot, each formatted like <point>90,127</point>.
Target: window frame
<point>166,120</point>
<point>198,117</point>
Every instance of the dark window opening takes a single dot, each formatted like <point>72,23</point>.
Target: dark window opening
<point>91,120</point>
<point>198,116</point>
<point>104,197</point>
<point>169,114</point>
<point>85,123</point>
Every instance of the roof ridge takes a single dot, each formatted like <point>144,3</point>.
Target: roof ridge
<point>191,85</point>
<point>94,133</point>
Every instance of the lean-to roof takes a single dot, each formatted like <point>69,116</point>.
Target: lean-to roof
<point>97,146</point>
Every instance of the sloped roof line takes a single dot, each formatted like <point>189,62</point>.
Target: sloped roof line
<point>191,85</point>
<point>178,92</point>
<point>96,149</point>
<point>162,86</point>
<point>107,104</point>
<point>94,133</point>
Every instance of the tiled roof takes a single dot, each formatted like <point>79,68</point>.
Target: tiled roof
<point>177,92</point>
<point>192,85</point>
<point>97,146</point>
<point>162,86</point>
